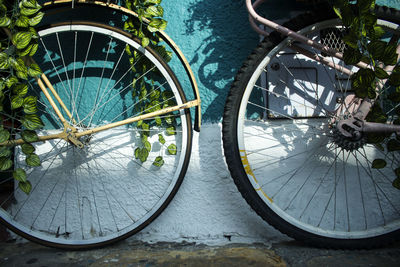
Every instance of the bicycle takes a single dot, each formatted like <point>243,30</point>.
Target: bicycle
<point>87,211</point>
<point>296,139</point>
<point>110,161</point>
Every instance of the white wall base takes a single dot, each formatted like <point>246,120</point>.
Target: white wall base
<point>208,208</point>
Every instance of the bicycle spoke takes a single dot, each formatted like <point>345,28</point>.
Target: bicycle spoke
<point>97,194</point>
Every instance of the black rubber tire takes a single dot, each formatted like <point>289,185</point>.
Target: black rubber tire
<point>230,139</point>
<point>35,236</point>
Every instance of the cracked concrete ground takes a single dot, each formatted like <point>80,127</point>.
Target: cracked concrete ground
<point>128,253</point>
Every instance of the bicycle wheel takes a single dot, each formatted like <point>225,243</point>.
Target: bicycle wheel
<point>122,178</point>
<point>284,154</point>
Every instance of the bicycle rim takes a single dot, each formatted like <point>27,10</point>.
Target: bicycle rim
<point>107,191</point>
<point>295,170</point>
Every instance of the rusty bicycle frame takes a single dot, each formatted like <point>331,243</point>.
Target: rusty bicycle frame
<point>357,122</point>
<point>70,133</point>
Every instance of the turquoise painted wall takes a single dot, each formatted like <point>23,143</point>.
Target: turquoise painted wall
<point>216,38</point>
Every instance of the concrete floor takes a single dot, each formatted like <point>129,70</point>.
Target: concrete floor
<point>134,253</point>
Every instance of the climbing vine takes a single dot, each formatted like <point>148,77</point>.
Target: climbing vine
<point>18,109</point>
<point>366,42</point>
<point>18,42</point>
<point>150,97</point>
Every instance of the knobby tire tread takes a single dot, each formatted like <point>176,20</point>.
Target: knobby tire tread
<point>230,142</point>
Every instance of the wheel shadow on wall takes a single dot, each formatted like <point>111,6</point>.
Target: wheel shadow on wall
<point>229,42</point>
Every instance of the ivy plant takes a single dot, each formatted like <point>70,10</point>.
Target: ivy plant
<point>147,92</point>
<point>364,43</point>
<point>18,109</point>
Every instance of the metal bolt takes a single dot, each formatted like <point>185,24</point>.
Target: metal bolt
<point>275,66</point>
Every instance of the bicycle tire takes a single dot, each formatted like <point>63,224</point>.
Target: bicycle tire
<point>105,192</point>
<point>270,138</point>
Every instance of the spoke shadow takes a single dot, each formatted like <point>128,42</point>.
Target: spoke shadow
<point>229,41</point>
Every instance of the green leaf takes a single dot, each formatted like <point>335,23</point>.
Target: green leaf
<point>29,4</point>
<point>143,154</point>
<point>147,145</point>
<point>381,73</point>
<point>28,9</point>
<point>377,32</point>
<point>158,161</point>
<point>34,70</point>
<point>22,75</point>
<point>347,15</point>
<point>4,135</point>
<point>36,19</point>
<point>337,11</point>
<point>143,93</point>
<point>33,50</point>
<point>19,175</point>
<point>393,145</point>
<point>376,48</point>
<point>171,130</point>
<point>146,128</point>
<point>26,187</point>
<point>396,183</point>
<point>365,6</point>
<point>11,81</point>
<point>20,89</point>
<point>21,39</point>
<point>369,20</point>
<point>351,40</point>
<point>164,53</point>
<point>158,120</point>
<point>29,105</point>
<point>161,139</point>
<point>4,63</point>
<point>32,122</point>
<point>33,32</point>
<point>374,138</point>
<point>137,153</point>
<point>29,136</point>
<point>5,21</point>
<point>18,64</point>
<point>154,94</point>
<point>128,50</point>
<point>172,149</point>
<point>366,77</point>
<point>390,55</point>
<point>169,119</point>
<point>32,160</point>
<point>22,21</point>
<point>351,56</point>
<point>378,164</point>
<point>16,102</point>
<point>157,25</point>
<point>371,93</point>
<point>149,2</point>
<point>144,138</point>
<point>155,11</point>
<point>5,151</point>
<point>145,41</point>
<point>27,148</point>
<point>5,163</point>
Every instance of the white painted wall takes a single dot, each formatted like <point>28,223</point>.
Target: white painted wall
<point>208,207</point>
